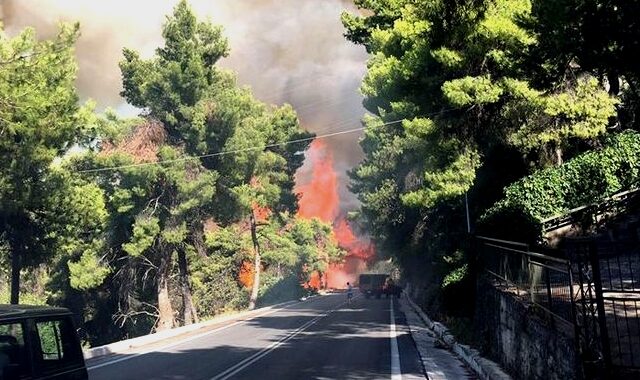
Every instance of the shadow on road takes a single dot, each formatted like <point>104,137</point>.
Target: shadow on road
<point>350,343</point>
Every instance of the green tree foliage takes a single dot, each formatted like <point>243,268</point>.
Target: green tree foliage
<point>292,248</point>
<point>459,110</point>
<point>316,247</point>
<point>172,86</point>
<point>121,231</point>
<point>586,179</point>
<point>153,209</point>
<point>77,218</point>
<point>596,36</point>
<point>40,120</point>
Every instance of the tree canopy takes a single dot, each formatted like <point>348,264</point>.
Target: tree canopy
<point>45,211</point>
<point>203,160</point>
<point>469,96</point>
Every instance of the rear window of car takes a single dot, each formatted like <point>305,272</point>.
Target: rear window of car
<point>58,345</point>
<point>13,363</point>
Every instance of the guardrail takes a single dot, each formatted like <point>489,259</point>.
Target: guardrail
<point>608,303</point>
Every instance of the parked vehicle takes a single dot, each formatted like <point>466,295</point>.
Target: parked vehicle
<point>39,342</point>
<point>378,284</point>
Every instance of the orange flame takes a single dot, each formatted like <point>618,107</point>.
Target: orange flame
<point>315,281</point>
<point>357,247</point>
<point>246,274</point>
<point>319,196</point>
<point>261,213</point>
<point>318,190</point>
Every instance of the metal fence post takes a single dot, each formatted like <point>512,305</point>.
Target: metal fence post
<point>574,320</point>
<point>602,318</point>
<point>549,297</point>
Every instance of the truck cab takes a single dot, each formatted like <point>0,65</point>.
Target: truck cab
<point>39,342</point>
<point>372,285</point>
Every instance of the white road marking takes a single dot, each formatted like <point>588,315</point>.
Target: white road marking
<point>396,373</point>
<point>174,344</point>
<point>231,371</point>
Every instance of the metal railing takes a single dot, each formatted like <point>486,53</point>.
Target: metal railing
<point>593,286</point>
<point>615,270</point>
<point>534,277</point>
<point>593,211</point>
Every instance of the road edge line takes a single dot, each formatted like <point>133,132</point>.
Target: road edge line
<point>396,371</point>
<point>127,344</point>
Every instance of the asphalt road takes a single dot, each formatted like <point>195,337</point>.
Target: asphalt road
<point>321,338</point>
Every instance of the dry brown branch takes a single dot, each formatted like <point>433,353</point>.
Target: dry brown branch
<point>142,144</point>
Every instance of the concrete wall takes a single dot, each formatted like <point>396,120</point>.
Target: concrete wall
<point>525,345</point>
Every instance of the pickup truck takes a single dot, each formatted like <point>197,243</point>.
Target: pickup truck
<point>378,284</point>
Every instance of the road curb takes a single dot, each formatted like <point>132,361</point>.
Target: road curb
<point>124,345</point>
<point>484,368</point>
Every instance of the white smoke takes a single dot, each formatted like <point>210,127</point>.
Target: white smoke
<point>286,50</point>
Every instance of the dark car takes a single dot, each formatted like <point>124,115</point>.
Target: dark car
<point>39,342</point>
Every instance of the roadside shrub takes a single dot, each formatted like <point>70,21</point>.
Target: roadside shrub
<point>510,222</point>
<point>588,178</point>
<point>274,289</point>
<point>215,286</point>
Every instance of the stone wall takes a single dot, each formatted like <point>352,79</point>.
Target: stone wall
<point>526,345</point>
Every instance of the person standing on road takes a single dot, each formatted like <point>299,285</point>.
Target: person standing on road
<point>349,292</point>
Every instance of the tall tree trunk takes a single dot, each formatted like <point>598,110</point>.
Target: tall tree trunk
<point>189,312</point>
<point>165,311</point>
<point>256,263</point>
<point>614,83</point>
<point>16,266</point>
<point>15,236</point>
<point>197,240</point>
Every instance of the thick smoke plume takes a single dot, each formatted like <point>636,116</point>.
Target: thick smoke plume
<point>286,50</point>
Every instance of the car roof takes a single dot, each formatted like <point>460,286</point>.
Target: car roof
<point>28,311</point>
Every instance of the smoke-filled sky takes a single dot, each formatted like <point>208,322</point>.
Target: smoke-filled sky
<point>286,50</point>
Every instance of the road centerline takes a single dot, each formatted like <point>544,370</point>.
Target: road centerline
<point>233,370</point>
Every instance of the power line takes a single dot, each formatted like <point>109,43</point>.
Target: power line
<point>236,151</point>
<point>254,148</point>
